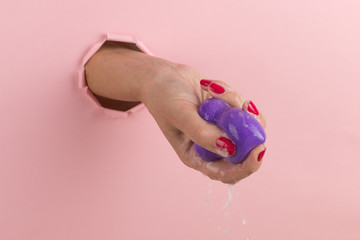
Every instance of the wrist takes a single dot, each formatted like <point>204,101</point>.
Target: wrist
<point>123,74</point>
<point>119,73</point>
<point>158,71</point>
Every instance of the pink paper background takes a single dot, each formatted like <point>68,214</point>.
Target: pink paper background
<point>68,171</point>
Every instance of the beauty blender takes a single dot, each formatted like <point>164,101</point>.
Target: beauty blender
<point>242,128</point>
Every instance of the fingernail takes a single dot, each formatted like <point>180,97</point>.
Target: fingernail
<point>205,82</point>
<point>252,108</point>
<point>225,145</point>
<point>217,88</point>
<point>261,155</point>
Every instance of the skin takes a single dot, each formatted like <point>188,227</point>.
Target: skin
<point>172,93</point>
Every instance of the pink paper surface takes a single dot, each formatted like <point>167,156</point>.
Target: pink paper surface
<point>69,171</point>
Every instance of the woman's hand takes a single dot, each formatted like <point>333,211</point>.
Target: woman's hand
<point>174,101</point>
<point>173,93</point>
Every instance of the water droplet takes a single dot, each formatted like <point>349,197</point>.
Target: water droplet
<point>244,221</point>
<point>230,196</point>
<point>227,213</point>
<point>226,229</point>
<point>209,189</point>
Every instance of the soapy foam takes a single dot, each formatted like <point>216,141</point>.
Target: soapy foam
<point>196,160</point>
<point>211,167</point>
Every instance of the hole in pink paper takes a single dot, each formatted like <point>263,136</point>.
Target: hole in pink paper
<point>113,103</point>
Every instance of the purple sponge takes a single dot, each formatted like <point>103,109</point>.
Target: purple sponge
<point>243,129</point>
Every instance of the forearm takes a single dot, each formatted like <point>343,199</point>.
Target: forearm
<point>120,73</point>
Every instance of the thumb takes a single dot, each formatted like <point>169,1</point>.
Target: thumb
<point>205,134</point>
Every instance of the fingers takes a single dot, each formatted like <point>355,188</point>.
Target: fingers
<point>252,163</point>
<point>223,91</point>
<point>223,170</point>
<point>251,108</point>
<point>220,90</point>
<point>227,172</point>
<point>215,140</point>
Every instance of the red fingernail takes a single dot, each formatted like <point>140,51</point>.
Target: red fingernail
<point>225,145</point>
<point>252,108</point>
<point>261,155</point>
<point>205,82</point>
<point>217,88</point>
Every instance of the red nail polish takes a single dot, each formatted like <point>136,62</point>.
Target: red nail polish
<point>205,82</point>
<point>217,88</point>
<point>225,145</point>
<point>261,155</point>
<point>252,108</point>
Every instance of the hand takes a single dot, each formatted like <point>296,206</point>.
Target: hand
<point>172,93</point>
<point>174,101</point>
